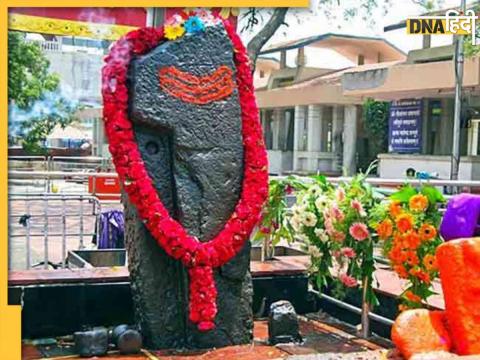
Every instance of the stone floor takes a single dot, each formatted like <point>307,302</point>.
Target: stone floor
<point>324,339</point>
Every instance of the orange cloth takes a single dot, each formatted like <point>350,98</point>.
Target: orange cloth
<point>420,331</point>
<point>459,264</point>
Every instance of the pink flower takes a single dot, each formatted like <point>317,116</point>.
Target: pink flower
<point>359,231</point>
<point>336,213</point>
<point>340,194</point>
<point>174,20</point>
<point>357,205</point>
<point>329,226</point>
<point>337,236</point>
<point>265,230</point>
<point>347,280</point>
<point>348,252</point>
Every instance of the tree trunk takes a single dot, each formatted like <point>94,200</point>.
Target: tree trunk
<point>258,41</point>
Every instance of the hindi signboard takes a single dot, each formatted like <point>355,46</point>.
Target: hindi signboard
<point>405,126</point>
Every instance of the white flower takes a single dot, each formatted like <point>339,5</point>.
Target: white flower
<point>296,222</point>
<point>309,219</point>
<point>321,202</point>
<point>315,190</point>
<point>322,235</point>
<point>314,251</point>
<point>298,210</point>
<point>303,238</point>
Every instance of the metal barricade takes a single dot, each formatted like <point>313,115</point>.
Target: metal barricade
<point>51,224</point>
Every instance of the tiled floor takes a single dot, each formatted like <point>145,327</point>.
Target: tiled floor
<point>321,335</point>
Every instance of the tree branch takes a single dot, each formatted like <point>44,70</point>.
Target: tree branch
<point>258,41</point>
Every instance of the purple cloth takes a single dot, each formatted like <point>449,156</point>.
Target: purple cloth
<point>112,230</point>
<point>461,218</point>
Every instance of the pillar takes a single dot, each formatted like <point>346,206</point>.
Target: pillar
<point>276,127</point>
<point>350,140</point>
<point>299,124</point>
<point>337,137</point>
<point>315,117</point>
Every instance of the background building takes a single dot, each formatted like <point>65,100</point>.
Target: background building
<point>310,125</point>
<point>421,95</point>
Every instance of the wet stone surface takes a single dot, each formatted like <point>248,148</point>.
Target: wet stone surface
<point>323,339</point>
<point>194,154</point>
<point>283,323</point>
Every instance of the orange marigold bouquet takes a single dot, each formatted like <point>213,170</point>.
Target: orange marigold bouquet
<point>407,226</point>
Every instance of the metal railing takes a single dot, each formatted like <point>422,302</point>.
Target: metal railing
<point>45,45</point>
<point>43,219</point>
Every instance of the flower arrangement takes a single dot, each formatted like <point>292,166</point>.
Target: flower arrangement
<point>200,258</point>
<point>407,225</point>
<point>274,225</point>
<point>306,221</point>
<point>332,224</point>
<point>189,22</point>
<point>346,224</point>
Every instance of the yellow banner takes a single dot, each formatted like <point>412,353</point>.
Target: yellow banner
<point>42,25</point>
<point>436,26</point>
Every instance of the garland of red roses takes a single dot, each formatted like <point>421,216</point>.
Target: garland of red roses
<point>200,258</point>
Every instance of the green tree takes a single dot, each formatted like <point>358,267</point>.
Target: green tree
<point>33,94</point>
<point>28,71</point>
<point>375,114</point>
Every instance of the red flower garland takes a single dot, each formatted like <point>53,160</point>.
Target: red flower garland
<point>200,258</point>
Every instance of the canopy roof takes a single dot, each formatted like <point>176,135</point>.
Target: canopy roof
<point>347,45</point>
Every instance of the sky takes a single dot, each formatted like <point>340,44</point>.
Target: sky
<point>315,21</point>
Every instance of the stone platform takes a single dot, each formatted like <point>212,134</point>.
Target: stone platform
<point>324,339</point>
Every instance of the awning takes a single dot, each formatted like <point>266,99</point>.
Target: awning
<point>324,89</point>
<point>98,23</point>
<point>401,80</point>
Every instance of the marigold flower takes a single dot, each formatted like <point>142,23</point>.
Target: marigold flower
<point>397,255</point>
<point>430,262</point>
<point>359,231</point>
<point>395,208</point>
<point>420,274</point>
<point>411,258</point>
<point>411,240</point>
<point>404,222</point>
<point>173,32</point>
<point>418,203</point>
<point>385,229</point>
<point>424,276</point>
<point>427,232</point>
<point>412,297</point>
<point>401,271</point>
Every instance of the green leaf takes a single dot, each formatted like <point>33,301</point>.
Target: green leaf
<point>433,195</point>
<point>404,194</point>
